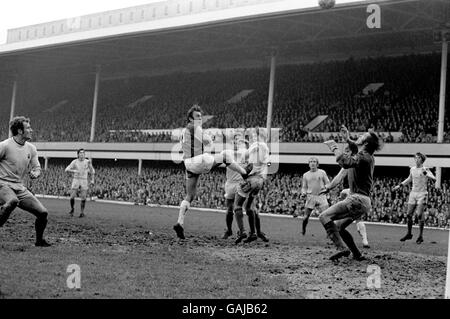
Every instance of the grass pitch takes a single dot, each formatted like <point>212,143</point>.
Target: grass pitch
<point>132,252</point>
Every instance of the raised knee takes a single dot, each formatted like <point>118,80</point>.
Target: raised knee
<point>42,215</point>
<point>12,203</point>
<point>322,218</point>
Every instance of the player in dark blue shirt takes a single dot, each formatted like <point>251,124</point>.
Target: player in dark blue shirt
<point>360,178</point>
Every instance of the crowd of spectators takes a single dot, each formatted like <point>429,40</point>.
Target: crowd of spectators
<point>407,102</point>
<point>138,137</point>
<point>159,184</point>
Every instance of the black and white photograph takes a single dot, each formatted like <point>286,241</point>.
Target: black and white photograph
<point>224,154</point>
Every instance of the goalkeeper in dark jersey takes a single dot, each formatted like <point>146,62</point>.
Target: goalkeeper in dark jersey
<point>360,178</point>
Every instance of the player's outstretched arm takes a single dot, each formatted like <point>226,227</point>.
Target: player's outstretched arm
<point>304,186</point>
<point>348,161</point>
<point>326,180</point>
<point>346,135</point>
<point>406,181</point>
<point>429,174</point>
<point>91,171</point>
<point>344,160</point>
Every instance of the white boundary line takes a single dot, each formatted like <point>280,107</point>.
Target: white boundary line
<point>223,211</point>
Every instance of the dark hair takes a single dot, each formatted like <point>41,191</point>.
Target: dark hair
<point>353,148</point>
<point>194,108</point>
<point>80,150</point>
<point>373,143</point>
<point>16,124</point>
<point>422,156</point>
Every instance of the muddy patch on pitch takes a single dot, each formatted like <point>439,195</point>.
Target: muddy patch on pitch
<point>310,273</point>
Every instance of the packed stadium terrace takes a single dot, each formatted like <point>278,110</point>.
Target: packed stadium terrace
<point>163,183</point>
<point>407,102</point>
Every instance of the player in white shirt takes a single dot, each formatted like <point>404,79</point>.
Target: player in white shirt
<point>18,158</point>
<point>313,182</point>
<point>258,159</point>
<point>419,176</point>
<point>80,168</point>
<point>197,162</point>
<point>233,179</point>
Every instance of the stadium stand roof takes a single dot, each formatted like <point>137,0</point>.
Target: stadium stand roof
<point>239,36</point>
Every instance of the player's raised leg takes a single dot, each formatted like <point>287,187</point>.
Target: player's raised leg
<point>226,157</point>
